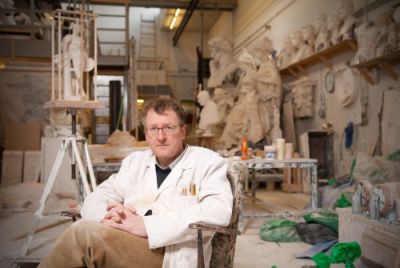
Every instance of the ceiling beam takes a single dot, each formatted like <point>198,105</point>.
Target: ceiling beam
<point>185,20</point>
<point>215,5</point>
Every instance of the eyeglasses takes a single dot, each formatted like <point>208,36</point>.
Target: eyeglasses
<point>168,130</point>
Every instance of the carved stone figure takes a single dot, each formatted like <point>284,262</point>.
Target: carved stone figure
<point>208,115</point>
<point>224,103</point>
<point>347,20</point>
<point>322,39</point>
<point>366,34</point>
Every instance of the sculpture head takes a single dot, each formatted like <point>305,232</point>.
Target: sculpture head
<point>247,60</point>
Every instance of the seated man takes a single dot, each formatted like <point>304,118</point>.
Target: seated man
<point>139,217</point>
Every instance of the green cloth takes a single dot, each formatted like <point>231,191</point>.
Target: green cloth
<point>326,218</point>
<point>279,230</point>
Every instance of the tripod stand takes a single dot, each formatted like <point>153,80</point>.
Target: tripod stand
<point>67,143</point>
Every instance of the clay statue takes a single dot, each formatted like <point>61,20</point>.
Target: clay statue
<point>296,39</point>
<point>208,114</point>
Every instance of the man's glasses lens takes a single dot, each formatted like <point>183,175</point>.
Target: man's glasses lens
<point>166,130</point>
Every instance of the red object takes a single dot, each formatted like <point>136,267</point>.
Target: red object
<point>244,149</point>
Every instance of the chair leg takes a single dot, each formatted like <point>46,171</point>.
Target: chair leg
<point>200,253</point>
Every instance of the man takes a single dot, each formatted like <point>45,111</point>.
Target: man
<point>133,216</point>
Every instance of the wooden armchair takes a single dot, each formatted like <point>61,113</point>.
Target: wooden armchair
<point>224,240</point>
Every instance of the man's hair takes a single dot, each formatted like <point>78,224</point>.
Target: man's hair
<point>162,105</point>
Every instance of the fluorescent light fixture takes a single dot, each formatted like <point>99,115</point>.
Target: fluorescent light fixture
<point>173,21</point>
<point>140,100</point>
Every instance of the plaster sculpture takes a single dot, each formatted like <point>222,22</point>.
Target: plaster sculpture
<point>296,39</point>
<point>306,47</point>
<point>303,97</point>
<point>366,34</point>
<point>387,35</point>
<point>269,87</point>
<point>243,120</point>
<point>7,18</point>
<point>285,55</point>
<point>224,103</point>
<point>322,38</point>
<point>75,62</point>
<point>346,92</point>
<point>347,20</point>
<point>222,65</point>
<point>333,27</point>
<point>208,115</point>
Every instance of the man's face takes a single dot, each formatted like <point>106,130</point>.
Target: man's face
<point>167,144</point>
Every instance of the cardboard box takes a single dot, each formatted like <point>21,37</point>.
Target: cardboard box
<point>22,137</point>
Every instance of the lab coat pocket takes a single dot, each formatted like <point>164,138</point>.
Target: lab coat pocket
<point>186,201</point>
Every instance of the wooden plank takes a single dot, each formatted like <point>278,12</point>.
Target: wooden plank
<point>288,124</point>
<point>389,70</point>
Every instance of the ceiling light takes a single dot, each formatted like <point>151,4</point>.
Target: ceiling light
<point>140,100</point>
<point>173,21</point>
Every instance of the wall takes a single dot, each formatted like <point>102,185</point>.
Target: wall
<point>285,16</point>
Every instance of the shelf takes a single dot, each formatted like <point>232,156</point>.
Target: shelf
<point>299,68</point>
<point>384,62</point>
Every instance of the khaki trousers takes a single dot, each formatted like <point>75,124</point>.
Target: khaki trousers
<point>91,244</point>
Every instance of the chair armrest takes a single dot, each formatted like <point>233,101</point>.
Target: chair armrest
<point>214,228</point>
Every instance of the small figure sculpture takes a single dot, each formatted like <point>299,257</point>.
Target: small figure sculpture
<point>75,62</point>
<point>208,115</point>
<point>347,19</point>
<point>366,34</point>
<point>322,39</point>
<point>387,39</point>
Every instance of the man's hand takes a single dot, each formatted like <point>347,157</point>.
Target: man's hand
<point>125,219</point>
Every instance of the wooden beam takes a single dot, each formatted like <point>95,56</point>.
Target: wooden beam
<point>325,61</point>
<point>366,74</point>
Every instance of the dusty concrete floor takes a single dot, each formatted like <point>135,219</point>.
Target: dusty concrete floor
<point>253,252</point>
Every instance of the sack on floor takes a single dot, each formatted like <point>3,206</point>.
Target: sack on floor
<point>279,230</point>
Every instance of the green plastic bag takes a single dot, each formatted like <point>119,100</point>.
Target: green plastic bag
<point>345,253</point>
<point>279,230</point>
<point>343,202</point>
<point>327,218</point>
<point>322,260</point>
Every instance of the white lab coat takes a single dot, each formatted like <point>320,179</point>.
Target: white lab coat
<point>172,211</point>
